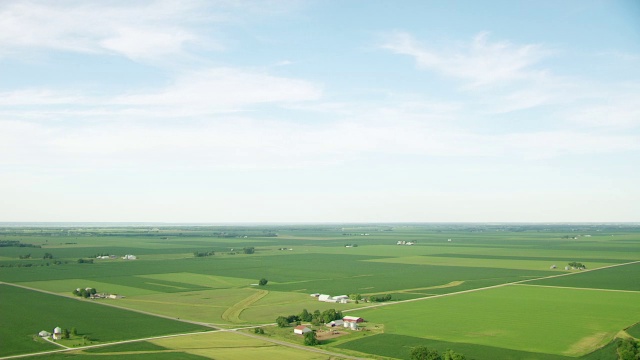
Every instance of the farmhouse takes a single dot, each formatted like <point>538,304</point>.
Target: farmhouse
<point>352,319</point>
<point>301,330</point>
<point>57,333</point>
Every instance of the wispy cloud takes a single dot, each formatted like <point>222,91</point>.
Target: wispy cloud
<point>140,31</point>
<point>480,62</point>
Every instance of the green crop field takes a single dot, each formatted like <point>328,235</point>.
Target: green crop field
<point>549,313</point>
<point>616,278</point>
<point>29,312</point>
<point>547,320</point>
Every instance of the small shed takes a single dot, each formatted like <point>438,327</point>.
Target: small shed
<point>44,333</point>
<point>335,323</point>
<point>301,330</point>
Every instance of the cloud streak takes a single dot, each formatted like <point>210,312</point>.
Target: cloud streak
<point>481,63</point>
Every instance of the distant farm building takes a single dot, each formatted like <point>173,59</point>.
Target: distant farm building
<point>552,267</point>
<point>57,333</point>
<point>351,325</point>
<point>301,330</point>
<point>335,323</point>
<point>352,319</point>
<point>342,299</point>
<point>129,257</point>
<point>44,333</point>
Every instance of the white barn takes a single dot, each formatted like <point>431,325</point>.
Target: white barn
<point>301,330</point>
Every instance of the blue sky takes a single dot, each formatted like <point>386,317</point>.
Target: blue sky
<point>320,111</point>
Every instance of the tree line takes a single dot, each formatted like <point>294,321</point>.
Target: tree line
<point>316,318</point>
<point>424,353</point>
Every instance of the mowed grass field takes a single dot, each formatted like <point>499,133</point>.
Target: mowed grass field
<point>25,312</point>
<point>298,260</point>
<point>558,321</point>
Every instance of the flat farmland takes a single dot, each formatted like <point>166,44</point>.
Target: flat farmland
<point>558,321</point>
<point>544,316</point>
<point>230,346</point>
<point>29,311</point>
<point>625,277</point>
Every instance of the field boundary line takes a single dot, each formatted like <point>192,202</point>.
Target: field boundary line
<point>579,288</point>
<point>487,287</point>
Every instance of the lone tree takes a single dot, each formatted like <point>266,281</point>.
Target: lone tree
<point>282,321</point>
<point>263,282</point>
<point>310,339</point>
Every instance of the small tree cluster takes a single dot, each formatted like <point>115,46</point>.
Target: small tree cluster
<point>27,256</point>
<point>47,256</point>
<point>380,298</point>
<point>203,253</point>
<point>259,331</point>
<point>85,293</point>
<point>249,250</point>
<point>628,349</point>
<point>577,265</point>
<point>316,318</point>
<point>263,282</point>
<point>310,339</point>
<point>424,353</point>
<point>85,261</point>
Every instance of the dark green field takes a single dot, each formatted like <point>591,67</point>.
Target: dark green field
<point>32,311</point>
<point>615,278</point>
<point>399,346</point>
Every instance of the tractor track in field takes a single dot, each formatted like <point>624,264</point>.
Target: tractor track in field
<point>232,314</point>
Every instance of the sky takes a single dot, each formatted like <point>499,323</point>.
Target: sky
<point>320,111</point>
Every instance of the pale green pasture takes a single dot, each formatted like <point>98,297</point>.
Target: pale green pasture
<point>233,346</point>
<point>512,250</point>
<point>67,286</point>
<point>166,256</point>
<point>211,281</point>
<point>548,320</point>
<point>488,263</point>
<point>204,306</point>
<point>276,303</point>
